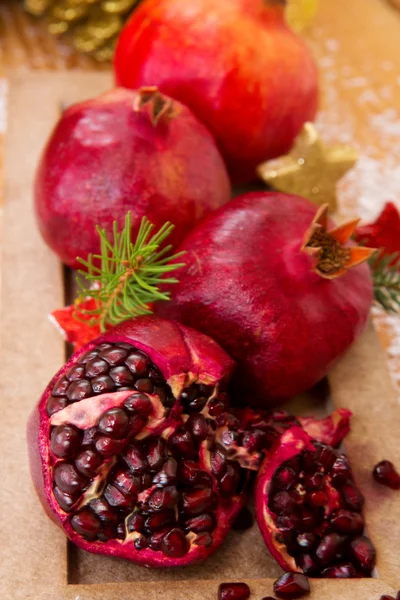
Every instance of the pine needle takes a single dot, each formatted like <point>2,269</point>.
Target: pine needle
<point>126,282</point>
<point>386,280</point>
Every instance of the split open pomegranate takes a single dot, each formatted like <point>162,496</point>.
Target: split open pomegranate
<point>132,450</point>
<point>309,509</point>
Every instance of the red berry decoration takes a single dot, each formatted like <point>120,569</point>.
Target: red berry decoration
<point>233,591</point>
<point>228,86</point>
<point>292,585</point>
<point>125,150</point>
<point>385,473</point>
<point>304,534</point>
<point>263,276</point>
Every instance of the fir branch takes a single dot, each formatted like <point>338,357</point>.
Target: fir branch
<point>127,280</point>
<point>386,280</point>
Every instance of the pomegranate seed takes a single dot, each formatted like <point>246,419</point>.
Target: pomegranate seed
<point>255,440</point>
<point>197,425</point>
<point>283,502</point>
<point>198,501</point>
<point>292,585</point>
<point>244,520</point>
<point>89,436</point>
<point>307,564</point>
<point>229,482</point>
<point>88,461</point>
<point>352,497</point>
<point>363,553</point>
<point>156,453</point>
<point>167,475</point>
<point>78,390</point>
<point>328,547</point>
<point>96,367</point>
<point>159,520</point>
<point>65,441</point>
<point>89,356</point>
<point>156,538</point>
<point>136,523</point>
<point>108,446</point>
<point>288,522</point>
<point>121,375</point>
<point>114,423</point>
<point>126,482</point>
<point>346,571</point>
<point>117,499</point>
<point>204,539</point>
<point>103,510</point>
<point>182,444</point>
<point>201,523</point>
<point>340,471</point>
<point>196,405</point>
<point>55,404</point>
<point>60,388</point>
<point>144,385</point>
<point>174,543</point>
<point>314,481</point>
<point>102,384</point>
<point>135,460</point>
<point>284,478</point>
<point>68,479</point>
<point>345,521</point>
<point>66,501</point>
<point>114,355</point>
<point>86,524</point>
<point>306,541</point>
<point>137,363</point>
<point>76,372</point>
<point>386,597</point>
<point>233,591</point>
<point>140,404</point>
<point>216,407</point>
<point>163,498</point>
<point>218,462</point>
<point>317,499</point>
<point>141,542</point>
<point>385,473</point>
<point>308,520</point>
<point>107,533</point>
<point>326,456</point>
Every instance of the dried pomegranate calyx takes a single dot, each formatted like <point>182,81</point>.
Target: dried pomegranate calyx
<point>327,248</point>
<point>159,108</point>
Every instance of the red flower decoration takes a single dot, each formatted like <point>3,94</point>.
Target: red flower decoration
<point>384,233</point>
<point>74,325</point>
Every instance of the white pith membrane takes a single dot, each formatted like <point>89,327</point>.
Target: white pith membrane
<point>219,499</point>
<point>275,514</point>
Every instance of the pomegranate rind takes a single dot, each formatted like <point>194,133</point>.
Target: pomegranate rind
<point>291,443</point>
<point>332,430</point>
<point>183,356</point>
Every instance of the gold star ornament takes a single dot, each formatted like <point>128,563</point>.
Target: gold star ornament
<point>311,169</point>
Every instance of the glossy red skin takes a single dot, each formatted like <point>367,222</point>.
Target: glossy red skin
<point>104,159</point>
<point>179,352</point>
<point>235,63</point>
<point>247,284</point>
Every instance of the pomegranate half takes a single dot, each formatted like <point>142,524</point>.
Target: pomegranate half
<point>245,74</point>
<point>266,278</point>
<point>125,150</point>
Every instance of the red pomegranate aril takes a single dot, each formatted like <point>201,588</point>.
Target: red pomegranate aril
<point>60,388</point>
<point>65,441</point>
<point>155,539</point>
<point>197,425</point>
<point>54,404</point>
<point>96,367</point>
<point>244,520</point>
<point>78,390</point>
<point>102,384</point>
<point>121,376</point>
<point>386,597</point>
<point>284,479</point>
<point>215,407</point>
<point>126,482</point>
<point>218,462</point>
<point>68,479</point>
<point>329,547</point>
<point>174,543</point>
<point>88,461</point>
<point>196,405</point>
<point>233,591</point>
<point>307,564</point>
<point>159,520</point>
<point>314,481</point>
<point>156,453</point>
<point>385,473</point>
<point>198,501</point>
<point>167,474</point>
<point>103,510</point>
<point>141,542</point>
<point>136,523</point>
<point>89,356</point>
<point>201,523</point>
<point>137,363</point>
<point>114,356</point>
<point>144,386</point>
<point>163,498</point>
<point>326,456</point>
<point>203,539</point>
<point>344,571</point>
<point>108,532</point>
<point>136,424</point>
<point>352,497</point>
<point>147,480</point>
<point>188,472</point>
<point>283,502</point>
<point>182,444</point>
<point>308,520</point>
<point>86,524</point>
<point>140,404</point>
<point>229,482</point>
<point>288,522</point>
<point>306,541</point>
<point>66,501</point>
<point>317,499</point>
<point>114,423</point>
<point>76,372</point>
<point>292,585</point>
<point>108,446</point>
<point>363,553</point>
<point>340,471</point>
<point>117,499</point>
<point>255,440</point>
<point>135,460</point>
<point>89,436</point>
<point>345,521</point>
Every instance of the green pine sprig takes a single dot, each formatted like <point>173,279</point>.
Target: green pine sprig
<point>386,280</point>
<point>127,281</point>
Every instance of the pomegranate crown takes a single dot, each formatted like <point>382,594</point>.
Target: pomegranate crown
<point>327,248</point>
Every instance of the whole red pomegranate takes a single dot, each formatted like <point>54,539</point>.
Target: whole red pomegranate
<point>265,278</point>
<point>309,509</point>
<point>132,450</point>
<point>235,63</point>
<point>125,150</point>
